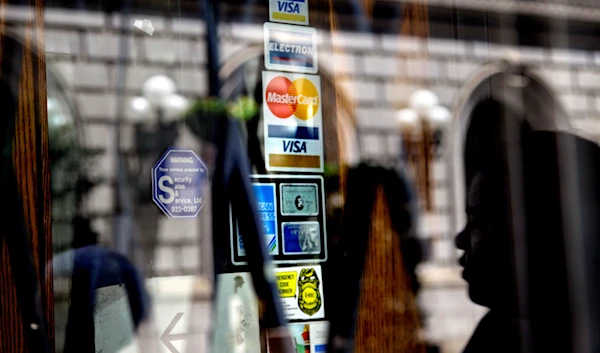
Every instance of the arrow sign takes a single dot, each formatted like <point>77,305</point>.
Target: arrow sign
<point>166,338</point>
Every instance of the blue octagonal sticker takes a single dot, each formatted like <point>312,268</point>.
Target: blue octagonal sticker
<point>178,180</point>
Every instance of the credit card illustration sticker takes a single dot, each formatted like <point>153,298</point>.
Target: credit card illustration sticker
<point>301,238</point>
<point>291,214</point>
<point>266,208</point>
<point>299,200</point>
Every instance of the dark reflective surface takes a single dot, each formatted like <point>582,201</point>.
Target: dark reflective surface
<point>451,106</point>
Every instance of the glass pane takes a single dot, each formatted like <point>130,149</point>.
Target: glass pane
<point>311,176</point>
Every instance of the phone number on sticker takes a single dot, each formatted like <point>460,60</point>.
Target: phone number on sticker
<point>183,208</point>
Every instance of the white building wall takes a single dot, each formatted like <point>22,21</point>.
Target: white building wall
<point>378,72</point>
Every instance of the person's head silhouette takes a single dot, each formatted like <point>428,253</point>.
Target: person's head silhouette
<point>485,241</point>
<point>532,205</point>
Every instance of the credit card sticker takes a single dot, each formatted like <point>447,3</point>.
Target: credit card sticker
<point>301,238</point>
<point>299,200</point>
<point>266,207</point>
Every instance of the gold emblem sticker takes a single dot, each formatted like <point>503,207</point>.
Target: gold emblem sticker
<point>309,300</point>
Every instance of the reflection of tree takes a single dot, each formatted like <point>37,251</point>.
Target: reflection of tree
<point>202,116</point>
<point>69,186</point>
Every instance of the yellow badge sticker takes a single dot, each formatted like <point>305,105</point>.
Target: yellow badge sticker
<point>300,292</point>
<point>309,300</point>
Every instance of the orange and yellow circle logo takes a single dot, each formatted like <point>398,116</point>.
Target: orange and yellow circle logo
<point>286,98</point>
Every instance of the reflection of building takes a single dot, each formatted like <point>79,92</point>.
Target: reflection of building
<point>379,72</point>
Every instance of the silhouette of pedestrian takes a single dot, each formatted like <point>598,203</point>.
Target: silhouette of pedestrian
<point>532,197</point>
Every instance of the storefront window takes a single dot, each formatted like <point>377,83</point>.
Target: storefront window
<point>300,176</point>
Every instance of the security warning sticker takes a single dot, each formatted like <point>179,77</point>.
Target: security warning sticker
<point>301,238</point>
<point>178,181</point>
<point>301,292</point>
<point>291,211</point>
<point>290,48</point>
<point>266,207</point>
<point>293,122</point>
<point>289,11</point>
<point>308,337</point>
<point>299,199</point>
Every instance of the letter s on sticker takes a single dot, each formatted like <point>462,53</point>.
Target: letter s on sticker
<point>166,189</point>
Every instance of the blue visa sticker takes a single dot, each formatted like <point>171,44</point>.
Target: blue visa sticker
<point>289,11</point>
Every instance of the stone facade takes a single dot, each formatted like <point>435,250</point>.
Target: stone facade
<point>378,72</point>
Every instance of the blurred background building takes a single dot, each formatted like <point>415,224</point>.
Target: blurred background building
<point>101,62</point>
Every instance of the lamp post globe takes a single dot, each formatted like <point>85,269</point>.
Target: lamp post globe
<point>174,106</point>
<point>140,109</point>
<point>422,100</point>
<point>407,118</point>
<point>156,88</point>
<point>439,116</point>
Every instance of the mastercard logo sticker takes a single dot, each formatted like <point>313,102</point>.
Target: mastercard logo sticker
<point>286,98</point>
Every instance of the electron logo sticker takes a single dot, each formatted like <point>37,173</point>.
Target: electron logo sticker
<point>299,98</point>
<point>309,300</point>
<point>290,48</point>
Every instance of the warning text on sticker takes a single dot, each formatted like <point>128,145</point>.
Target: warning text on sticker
<point>286,283</point>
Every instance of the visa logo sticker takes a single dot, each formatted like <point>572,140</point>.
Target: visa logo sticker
<point>289,11</point>
<point>293,122</point>
<point>294,146</point>
<point>290,48</point>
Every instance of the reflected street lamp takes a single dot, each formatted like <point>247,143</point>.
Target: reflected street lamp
<point>152,137</point>
<point>422,125</point>
<point>159,95</point>
<point>157,88</point>
<point>155,115</point>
